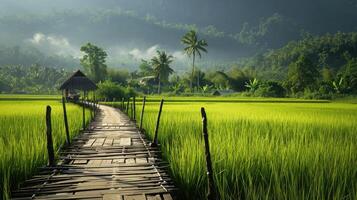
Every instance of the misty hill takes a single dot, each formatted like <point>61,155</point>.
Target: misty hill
<point>134,30</point>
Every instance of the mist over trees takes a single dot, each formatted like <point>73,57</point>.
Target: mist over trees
<point>273,51</point>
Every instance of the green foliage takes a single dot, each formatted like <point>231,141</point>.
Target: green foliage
<point>23,140</point>
<point>27,55</point>
<point>252,85</point>
<point>145,69</point>
<point>110,91</point>
<point>302,75</point>
<point>94,62</point>
<point>260,150</point>
<point>161,67</point>
<point>193,47</point>
<point>270,89</point>
<point>33,79</point>
<point>118,76</point>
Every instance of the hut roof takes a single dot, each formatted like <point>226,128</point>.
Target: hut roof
<point>78,81</point>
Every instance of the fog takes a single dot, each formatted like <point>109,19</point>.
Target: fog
<point>133,30</point>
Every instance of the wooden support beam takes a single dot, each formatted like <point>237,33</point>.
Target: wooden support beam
<point>51,154</point>
<point>134,108</point>
<point>142,114</point>
<point>211,193</point>
<point>84,111</point>
<point>155,141</point>
<point>66,120</point>
<point>127,106</point>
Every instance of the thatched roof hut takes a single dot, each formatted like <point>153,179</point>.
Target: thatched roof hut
<point>78,81</point>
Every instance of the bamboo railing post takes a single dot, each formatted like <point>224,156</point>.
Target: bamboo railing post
<point>84,112</point>
<point>134,109</point>
<point>211,193</point>
<point>142,114</point>
<point>155,141</point>
<point>131,110</point>
<point>51,154</point>
<point>122,104</point>
<point>127,106</point>
<point>65,120</point>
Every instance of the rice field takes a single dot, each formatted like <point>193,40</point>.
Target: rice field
<point>23,137</point>
<point>260,150</point>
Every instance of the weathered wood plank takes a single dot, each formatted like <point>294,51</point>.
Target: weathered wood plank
<point>135,197</point>
<point>153,197</point>
<point>125,141</point>
<point>167,197</point>
<point>89,143</point>
<point>112,197</point>
<point>113,161</point>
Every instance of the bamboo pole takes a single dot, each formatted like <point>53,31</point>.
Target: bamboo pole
<point>127,106</point>
<point>211,192</point>
<point>84,111</point>
<point>134,108</point>
<point>142,114</point>
<point>51,154</point>
<point>65,120</point>
<point>155,141</point>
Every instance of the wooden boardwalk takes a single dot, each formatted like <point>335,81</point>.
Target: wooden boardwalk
<point>111,161</point>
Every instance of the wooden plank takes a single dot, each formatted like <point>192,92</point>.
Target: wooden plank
<point>125,141</point>
<point>98,142</point>
<point>119,160</point>
<point>153,197</point>
<point>141,160</point>
<point>106,162</point>
<point>166,196</point>
<point>135,197</point>
<point>80,162</point>
<point>94,163</point>
<point>111,162</point>
<point>108,142</point>
<point>130,161</point>
<point>89,143</point>
<point>112,197</point>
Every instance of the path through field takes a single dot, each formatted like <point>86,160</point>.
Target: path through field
<point>112,160</point>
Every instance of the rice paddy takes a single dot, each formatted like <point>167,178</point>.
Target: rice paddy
<point>260,150</point>
<point>23,136</point>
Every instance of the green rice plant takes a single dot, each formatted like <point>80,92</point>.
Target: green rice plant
<point>260,150</point>
<point>23,137</point>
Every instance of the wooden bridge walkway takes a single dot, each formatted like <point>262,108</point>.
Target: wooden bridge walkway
<point>110,161</point>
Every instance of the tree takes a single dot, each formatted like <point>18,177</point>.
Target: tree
<point>94,62</point>
<point>302,75</point>
<point>119,76</point>
<point>145,68</point>
<point>161,66</point>
<point>193,46</point>
<point>252,85</point>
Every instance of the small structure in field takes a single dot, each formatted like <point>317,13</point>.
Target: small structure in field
<point>77,82</point>
<point>71,91</point>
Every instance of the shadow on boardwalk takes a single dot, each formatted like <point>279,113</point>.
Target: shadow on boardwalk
<point>111,160</point>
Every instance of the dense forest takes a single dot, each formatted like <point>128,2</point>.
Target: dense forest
<point>314,67</point>
<point>248,52</point>
<point>130,30</point>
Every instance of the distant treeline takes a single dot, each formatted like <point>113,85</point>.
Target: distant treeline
<point>314,67</point>
<point>33,79</point>
<point>27,55</point>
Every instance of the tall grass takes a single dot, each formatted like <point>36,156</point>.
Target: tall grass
<point>23,137</point>
<point>261,150</point>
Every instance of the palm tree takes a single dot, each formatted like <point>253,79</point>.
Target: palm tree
<point>161,66</point>
<point>193,46</point>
